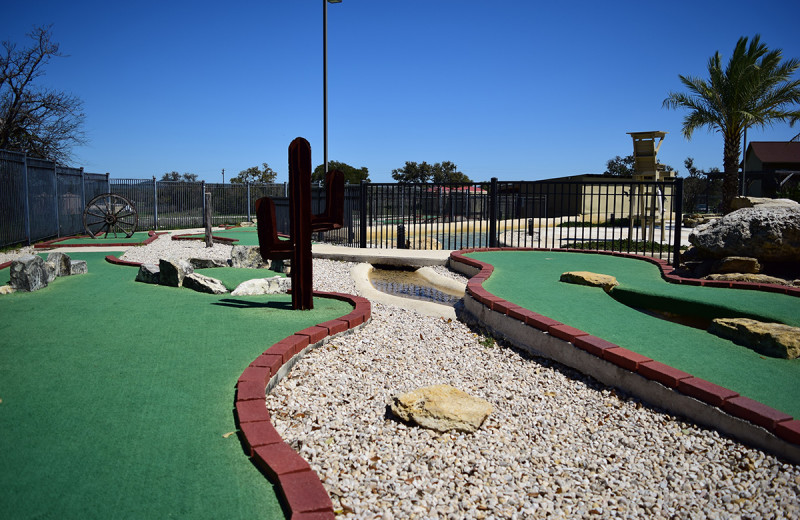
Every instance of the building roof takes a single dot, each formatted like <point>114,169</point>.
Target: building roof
<point>775,151</point>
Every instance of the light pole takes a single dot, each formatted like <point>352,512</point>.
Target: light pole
<point>325,77</point>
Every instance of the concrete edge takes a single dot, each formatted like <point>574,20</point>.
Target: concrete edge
<point>497,315</point>
<point>360,275</point>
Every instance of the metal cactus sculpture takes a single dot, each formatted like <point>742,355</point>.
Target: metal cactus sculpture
<point>302,221</point>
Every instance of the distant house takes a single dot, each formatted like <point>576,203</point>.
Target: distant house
<point>770,165</point>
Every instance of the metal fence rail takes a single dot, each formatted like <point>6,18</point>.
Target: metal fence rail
<point>40,199</point>
<point>613,214</point>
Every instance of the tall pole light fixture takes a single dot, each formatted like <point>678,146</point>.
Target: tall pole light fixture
<point>325,77</point>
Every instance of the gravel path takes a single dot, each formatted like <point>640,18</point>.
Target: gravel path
<point>557,445</point>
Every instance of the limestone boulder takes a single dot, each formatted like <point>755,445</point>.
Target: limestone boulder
<point>441,408</point>
<point>60,263</point>
<point>747,277</point>
<point>736,264</point>
<point>173,272</point>
<point>29,273</point>
<point>274,285</point>
<point>7,289</point>
<point>205,284</point>
<point>207,263</point>
<point>770,339</point>
<point>78,267</point>
<point>751,202</point>
<point>768,233</point>
<point>149,273</point>
<point>247,257</point>
<point>607,282</point>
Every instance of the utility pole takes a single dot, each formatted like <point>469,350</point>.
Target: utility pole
<point>223,176</point>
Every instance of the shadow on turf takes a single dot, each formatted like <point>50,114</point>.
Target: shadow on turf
<point>243,304</point>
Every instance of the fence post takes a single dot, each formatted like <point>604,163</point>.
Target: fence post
<point>155,204</point>
<point>83,188</point>
<point>362,222</point>
<point>677,223</point>
<point>26,202</point>
<point>207,218</point>
<point>203,196</point>
<point>56,198</point>
<point>493,213</point>
<point>249,217</point>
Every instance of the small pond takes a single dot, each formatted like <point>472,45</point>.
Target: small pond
<point>407,283</point>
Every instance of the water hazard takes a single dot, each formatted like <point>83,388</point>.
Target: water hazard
<point>407,283</point>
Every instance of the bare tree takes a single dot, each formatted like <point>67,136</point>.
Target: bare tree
<point>36,120</point>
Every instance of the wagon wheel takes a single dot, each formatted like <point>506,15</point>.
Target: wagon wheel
<point>110,213</point>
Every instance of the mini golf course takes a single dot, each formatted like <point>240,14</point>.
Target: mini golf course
<point>116,397</point>
<point>530,279</point>
<point>243,236</point>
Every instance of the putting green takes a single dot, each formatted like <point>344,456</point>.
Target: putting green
<point>117,397</point>
<point>531,280</point>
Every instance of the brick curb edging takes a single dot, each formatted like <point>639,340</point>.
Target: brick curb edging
<point>299,486</point>
<point>780,425</point>
<point>152,235</point>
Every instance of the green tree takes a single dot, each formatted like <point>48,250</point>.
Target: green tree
<point>442,172</point>
<point>254,174</point>
<point>620,166</point>
<point>352,174</point>
<point>755,89</point>
<point>175,176</point>
<point>695,185</point>
<point>36,120</point>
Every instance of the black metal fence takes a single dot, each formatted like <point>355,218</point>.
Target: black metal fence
<point>619,215</point>
<point>40,199</point>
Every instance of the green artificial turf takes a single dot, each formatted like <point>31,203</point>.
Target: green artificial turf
<point>531,280</point>
<point>136,238</point>
<point>116,397</point>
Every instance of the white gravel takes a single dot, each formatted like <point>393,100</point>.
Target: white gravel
<point>558,444</point>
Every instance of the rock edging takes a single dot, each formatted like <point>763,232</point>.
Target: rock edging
<point>780,425</point>
<point>298,485</point>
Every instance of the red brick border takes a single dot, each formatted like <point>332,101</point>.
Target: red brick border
<point>55,243</point>
<point>298,485</point>
<point>775,421</point>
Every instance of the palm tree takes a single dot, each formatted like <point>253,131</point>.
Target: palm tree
<point>754,90</point>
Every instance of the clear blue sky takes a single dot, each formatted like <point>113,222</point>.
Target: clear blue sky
<point>516,89</point>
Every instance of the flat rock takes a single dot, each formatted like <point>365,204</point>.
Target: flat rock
<point>736,264</point>
<point>148,273</point>
<point>441,408</point>
<point>173,272</point>
<point>607,282</point>
<point>770,339</point>
<point>247,257</point>
<point>205,284</point>
<point>769,233</point>
<point>751,202</point>
<point>274,285</point>
<point>745,277</point>
<point>207,263</point>
<point>29,273</point>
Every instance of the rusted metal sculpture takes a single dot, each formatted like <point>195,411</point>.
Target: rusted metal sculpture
<point>302,221</point>
<point>110,213</point>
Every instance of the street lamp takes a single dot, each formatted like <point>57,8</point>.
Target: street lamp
<point>325,77</point>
